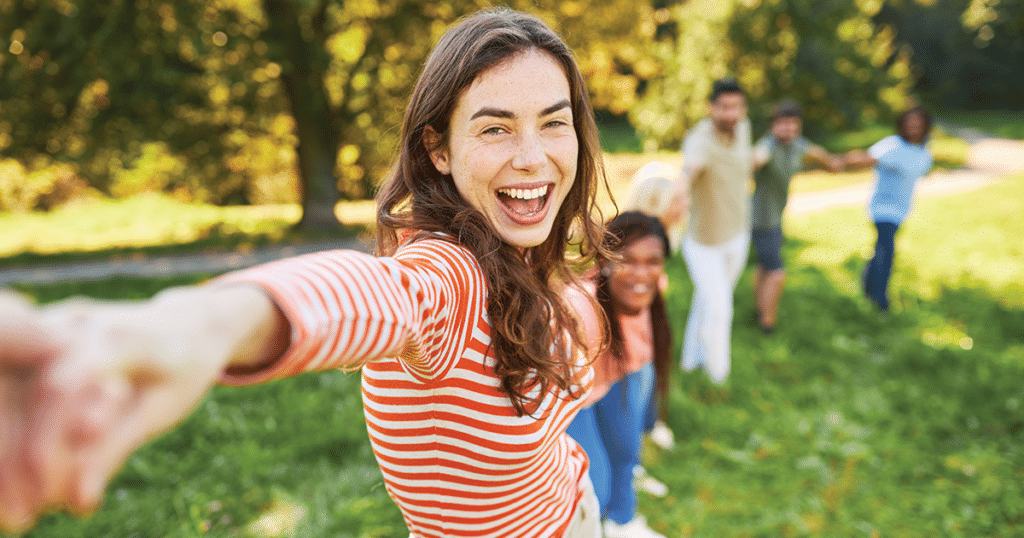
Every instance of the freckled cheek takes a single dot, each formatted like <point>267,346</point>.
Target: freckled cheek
<point>565,153</point>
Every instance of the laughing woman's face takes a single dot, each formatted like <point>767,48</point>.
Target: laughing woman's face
<point>512,148</point>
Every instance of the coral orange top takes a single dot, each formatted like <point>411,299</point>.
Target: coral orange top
<point>638,340</point>
<point>455,457</point>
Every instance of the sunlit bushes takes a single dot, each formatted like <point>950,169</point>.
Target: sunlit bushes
<point>45,186</point>
<point>42,190</point>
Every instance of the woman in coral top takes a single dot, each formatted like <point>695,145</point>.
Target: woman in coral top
<point>628,290</point>
<point>472,362</point>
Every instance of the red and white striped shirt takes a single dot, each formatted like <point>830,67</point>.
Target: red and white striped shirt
<point>454,455</point>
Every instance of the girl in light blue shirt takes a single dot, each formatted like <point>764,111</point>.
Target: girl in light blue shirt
<point>899,161</point>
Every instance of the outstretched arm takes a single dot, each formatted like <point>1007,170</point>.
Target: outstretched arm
<point>858,158</point>
<point>695,157</point>
<point>106,377</point>
<point>87,383</point>
<point>833,163</point>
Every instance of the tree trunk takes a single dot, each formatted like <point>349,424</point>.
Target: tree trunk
<point>302,76</point>
<point>317,160</point>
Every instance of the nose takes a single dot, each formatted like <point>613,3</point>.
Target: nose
<point>529,152</point>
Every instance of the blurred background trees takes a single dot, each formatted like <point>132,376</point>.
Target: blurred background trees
<point>256,101</point>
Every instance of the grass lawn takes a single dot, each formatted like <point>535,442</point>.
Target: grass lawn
<point>840,424</point>
<point>153,224</point>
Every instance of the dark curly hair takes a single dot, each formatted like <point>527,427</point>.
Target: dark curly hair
<point>624,230</point>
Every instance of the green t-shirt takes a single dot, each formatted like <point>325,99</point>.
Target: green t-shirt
<point>771,181</point>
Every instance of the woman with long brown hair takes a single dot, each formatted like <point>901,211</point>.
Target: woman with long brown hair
<point>472,363</point>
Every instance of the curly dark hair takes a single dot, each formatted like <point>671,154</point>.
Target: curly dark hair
<point>534,335</point>
<point>624,230</point>
<point>922,112</point>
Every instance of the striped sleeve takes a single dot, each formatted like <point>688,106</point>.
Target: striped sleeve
<point>346,308</point>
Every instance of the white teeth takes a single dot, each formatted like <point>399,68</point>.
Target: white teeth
<point>525,194</point>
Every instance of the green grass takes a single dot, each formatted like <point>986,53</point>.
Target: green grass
<point>152,224</point>
<point>840,424</point>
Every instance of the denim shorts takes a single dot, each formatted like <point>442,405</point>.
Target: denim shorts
<point>768,246</point>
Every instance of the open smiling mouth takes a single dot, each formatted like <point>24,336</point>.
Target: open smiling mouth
<point>525,206</point>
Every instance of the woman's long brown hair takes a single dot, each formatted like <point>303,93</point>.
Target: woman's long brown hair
<point>534,335</point>
<point>624,230</point>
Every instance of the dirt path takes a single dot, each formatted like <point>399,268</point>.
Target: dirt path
<point>989,160</point>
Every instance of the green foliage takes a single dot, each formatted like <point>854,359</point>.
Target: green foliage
<point>827,55</point>
<point>23,190</point>
<point>214,98</point>
<point>92,83</point>
<point>967,52</point>
<point>691,49</point>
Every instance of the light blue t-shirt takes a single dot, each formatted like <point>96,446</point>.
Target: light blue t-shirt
<point>900,164</point>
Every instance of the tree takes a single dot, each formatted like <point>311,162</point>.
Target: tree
<point>968,53</point>
<point>826,54</point>
<point>214,94</point>
<point>114,85</point>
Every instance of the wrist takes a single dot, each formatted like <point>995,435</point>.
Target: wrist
<point>239,325</point>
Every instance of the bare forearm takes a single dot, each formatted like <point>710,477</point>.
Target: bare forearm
<point>833,163</point>
<point>858,158</point>
<point>240,321</point>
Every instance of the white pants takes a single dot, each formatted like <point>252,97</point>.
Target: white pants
<point>715,270</point>
<point>586,522</point>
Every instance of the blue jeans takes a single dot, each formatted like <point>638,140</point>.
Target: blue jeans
<point>609,432</point>
<point>648,387</point>
<point>879,269</point>
<point>583,429</point>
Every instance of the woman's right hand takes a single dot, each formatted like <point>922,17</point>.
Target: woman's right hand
<point>119,374</point>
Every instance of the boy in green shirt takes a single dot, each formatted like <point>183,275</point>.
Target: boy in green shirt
<point>777,156</point>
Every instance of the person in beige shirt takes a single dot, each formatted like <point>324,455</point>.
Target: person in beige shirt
<point>717,168</point>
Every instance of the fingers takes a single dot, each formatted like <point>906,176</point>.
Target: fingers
<point>149,412</point>
<point>106,379</point>
<point>24,341</point>
<point>80,401</point>
<point>22,344</point>
<point>17,507</point>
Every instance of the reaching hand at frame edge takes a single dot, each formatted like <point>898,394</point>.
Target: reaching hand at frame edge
<point>107,377</point>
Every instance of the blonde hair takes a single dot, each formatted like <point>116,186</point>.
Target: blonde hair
<point>652,188</point>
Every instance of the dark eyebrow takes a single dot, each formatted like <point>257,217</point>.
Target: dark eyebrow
<point>494,112</point>
<point>499,113</point>
<point>564,103</point>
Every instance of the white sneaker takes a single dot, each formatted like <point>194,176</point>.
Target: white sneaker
<point>637,528</point>
<point>647,483</point>
<point>662,436</point>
